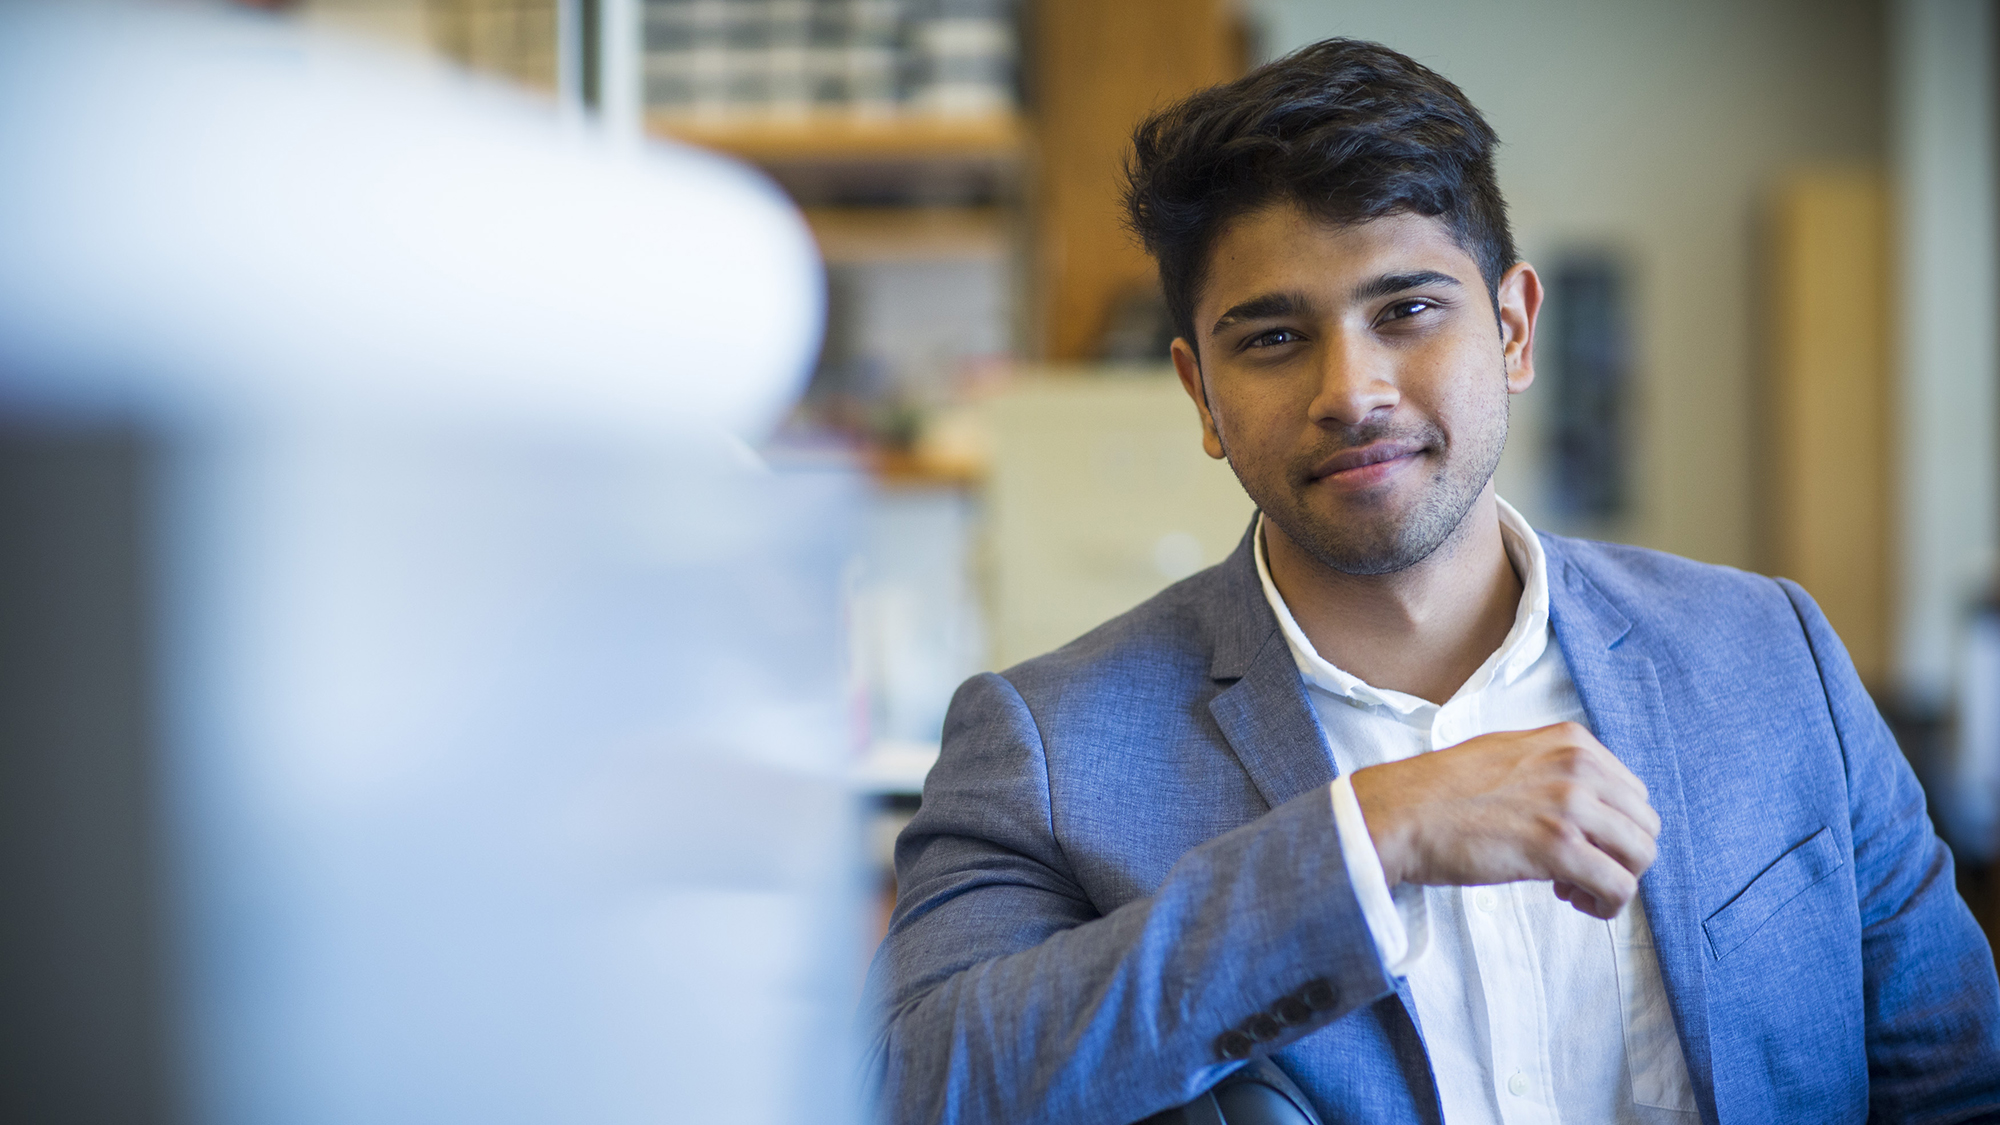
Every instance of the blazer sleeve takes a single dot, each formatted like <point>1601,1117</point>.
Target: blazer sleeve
<point>1001,994</point>
<point>1932,1002</point>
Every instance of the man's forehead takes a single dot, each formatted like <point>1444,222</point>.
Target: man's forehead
<point>1282,248</point>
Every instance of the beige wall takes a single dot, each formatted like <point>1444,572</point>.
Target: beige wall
<point>1098,496</point>
<point>406,22</point>
<point>1655,129</point>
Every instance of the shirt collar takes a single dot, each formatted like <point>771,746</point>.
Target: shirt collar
<point>1523,646</point>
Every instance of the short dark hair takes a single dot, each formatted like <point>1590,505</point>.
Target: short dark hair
<point>1347,130</point>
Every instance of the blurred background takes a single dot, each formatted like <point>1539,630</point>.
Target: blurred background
<point>1768,232</point>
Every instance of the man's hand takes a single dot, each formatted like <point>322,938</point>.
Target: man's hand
<point>1551,803</point>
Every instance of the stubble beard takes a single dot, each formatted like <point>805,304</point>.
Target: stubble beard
<point>1384,540</point>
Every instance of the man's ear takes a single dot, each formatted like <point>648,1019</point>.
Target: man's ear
<point>1189,369</point>
<point>1520,300</point>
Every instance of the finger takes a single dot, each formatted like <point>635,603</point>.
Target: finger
<point>1612,831</point>
<point>1593,761</point>
<point>1608,884</point>
<point>1645,817</point>
<point>1576,896</point>
<point>1619,786</point>
<point>1611,813</point>
<point>1586,903</point>
<point>1614,770</point>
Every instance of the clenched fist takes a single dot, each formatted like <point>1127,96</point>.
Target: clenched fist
<point>1551,803</point>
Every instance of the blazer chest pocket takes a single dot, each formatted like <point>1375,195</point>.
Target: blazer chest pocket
<point>1803,866</point>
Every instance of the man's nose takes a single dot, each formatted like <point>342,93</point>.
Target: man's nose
<point>1355,382</point>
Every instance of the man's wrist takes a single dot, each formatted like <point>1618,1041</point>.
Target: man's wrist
<point>1385,830</point>
<point>1364,875</point>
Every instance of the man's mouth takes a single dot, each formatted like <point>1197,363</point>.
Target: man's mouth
<point>1367,464</point>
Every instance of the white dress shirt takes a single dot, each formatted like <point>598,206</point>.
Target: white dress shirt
<point>1532,1012</point>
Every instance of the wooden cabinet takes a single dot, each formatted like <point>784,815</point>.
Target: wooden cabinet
<point>1826,405</point>
<point>1098,68</point>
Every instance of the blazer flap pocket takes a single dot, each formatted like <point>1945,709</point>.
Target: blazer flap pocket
<point>1780,883</point>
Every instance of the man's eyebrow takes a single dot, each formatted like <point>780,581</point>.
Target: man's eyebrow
<point>1389,283</point>
<point>1268,305</point>
<point>1260,307</point>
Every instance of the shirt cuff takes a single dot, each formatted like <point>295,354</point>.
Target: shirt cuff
<point>1398,920</point>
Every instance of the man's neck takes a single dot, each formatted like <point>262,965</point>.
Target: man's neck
<point>1423,630</point>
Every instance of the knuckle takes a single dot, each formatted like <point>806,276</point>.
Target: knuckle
<point>1558,832</point>
<point>1546,831</point>
<point>1566,761</point>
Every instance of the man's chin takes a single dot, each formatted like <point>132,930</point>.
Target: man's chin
<point>1363,544</point>
<point>1374,561</point>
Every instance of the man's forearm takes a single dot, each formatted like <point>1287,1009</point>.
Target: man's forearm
<point>1253,940</point>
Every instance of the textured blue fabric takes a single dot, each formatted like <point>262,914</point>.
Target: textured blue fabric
<point>1125,854</point>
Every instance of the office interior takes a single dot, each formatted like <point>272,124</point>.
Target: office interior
<point>1772,341</point>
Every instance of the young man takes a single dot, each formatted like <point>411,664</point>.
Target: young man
<point>1445,818</point>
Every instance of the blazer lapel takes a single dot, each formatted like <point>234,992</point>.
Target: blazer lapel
<point>1265,715</point>
<point>1271,728</point>
<point>1620,689</point>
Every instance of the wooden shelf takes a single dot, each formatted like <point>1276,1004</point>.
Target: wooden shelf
<point>897,469</point>
<point>846,138</point>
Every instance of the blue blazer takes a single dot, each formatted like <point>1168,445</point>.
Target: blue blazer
<point>1125,875</point>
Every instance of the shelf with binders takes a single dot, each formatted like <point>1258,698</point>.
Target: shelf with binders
<point>872,103</point>
<point>820,136</point>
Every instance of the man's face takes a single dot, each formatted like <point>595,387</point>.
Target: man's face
<point>1356,378</point>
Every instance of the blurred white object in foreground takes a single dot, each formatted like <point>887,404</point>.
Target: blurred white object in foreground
<point>511,782</point>
<point>499,719</point>
<point>226,208</point>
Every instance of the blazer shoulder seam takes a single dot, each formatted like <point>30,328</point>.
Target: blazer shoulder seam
<point>1793,592</point>
<point>1042,753</point>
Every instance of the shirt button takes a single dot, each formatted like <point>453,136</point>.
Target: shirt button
<point>1518,1085</point>
<point>1486,900</point>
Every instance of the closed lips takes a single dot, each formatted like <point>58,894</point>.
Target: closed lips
<point>1367,455</point>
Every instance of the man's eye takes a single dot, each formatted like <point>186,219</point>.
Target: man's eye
<point>1411,307</point>
<point>1272,338</point>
